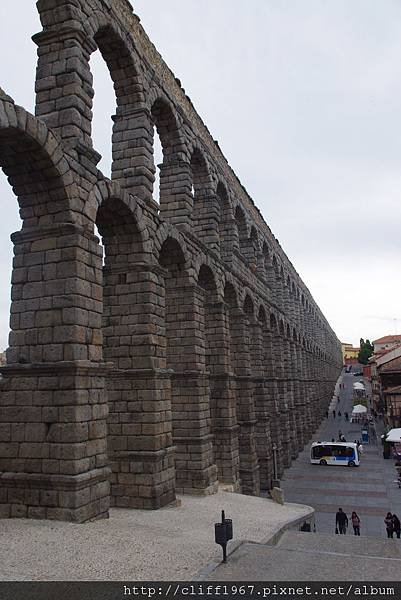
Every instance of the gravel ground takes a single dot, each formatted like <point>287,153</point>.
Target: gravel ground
<point>174,543</point>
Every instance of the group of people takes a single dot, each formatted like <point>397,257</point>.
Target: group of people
<point>392,523</point>
<point>346,415</point>
<point>342,522</point>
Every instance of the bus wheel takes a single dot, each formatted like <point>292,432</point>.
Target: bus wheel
<point>323,462</point>
<point>351,463</point>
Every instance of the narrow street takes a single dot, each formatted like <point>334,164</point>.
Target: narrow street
<point>368,489</point>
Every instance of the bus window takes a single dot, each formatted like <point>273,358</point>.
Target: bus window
<point>339,450</point>
<point>317,452</point>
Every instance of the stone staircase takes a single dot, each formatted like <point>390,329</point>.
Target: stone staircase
<point>315,557</point>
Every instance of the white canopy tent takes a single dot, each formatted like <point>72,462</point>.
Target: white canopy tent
<point>358,386</point>
<point>359,409</point>
<point>394,435</point>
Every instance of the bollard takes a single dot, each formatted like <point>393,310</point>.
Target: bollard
<point>223,533</point>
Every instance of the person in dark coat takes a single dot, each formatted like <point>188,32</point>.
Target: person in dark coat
<point>339,414</point>
<point>341,521</point>
<point>396,526</point>
<point>334,414</point>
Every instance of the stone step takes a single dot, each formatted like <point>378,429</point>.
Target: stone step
<point>257,562</point>
<point>302,556</point>
<point>349,544</point>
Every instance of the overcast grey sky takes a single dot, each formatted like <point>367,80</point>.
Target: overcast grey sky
<point>304,97</point>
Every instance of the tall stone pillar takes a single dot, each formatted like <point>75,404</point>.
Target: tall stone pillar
<point>176,201</point>
<point>283,404</point>
<point>139,424</point>
<point>132,141</point>
<point>53,404</point>
<point>263,436</point>
<point>273,401</point>
<point>223,397</point>
<point>249,469</point>
<point>196,472</point>
<point>289,395</point>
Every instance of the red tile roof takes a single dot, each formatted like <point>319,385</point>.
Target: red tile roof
<point>388,338</point>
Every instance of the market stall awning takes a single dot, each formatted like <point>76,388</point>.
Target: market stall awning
<point>394,435</point>
<point>359,409</point>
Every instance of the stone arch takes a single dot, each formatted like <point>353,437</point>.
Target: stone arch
<point>242,229</point>
<point>166,122</point>
<point>204,214</point>
<point>267,265</point>
<point>176,200</point>
<point>226,233</point>
<point>32,159</point>
<point>168,232</point>
<point>262,315</point>
<point>206,278</point>
<point>107,198</point>
<point>249,307</point>
<point>34,163</point>
<point>73,122</point>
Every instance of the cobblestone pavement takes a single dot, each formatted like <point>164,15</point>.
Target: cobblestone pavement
<point>368,489</point>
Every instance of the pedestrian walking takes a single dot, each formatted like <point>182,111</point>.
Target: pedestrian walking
<point>346,416</point>
<point>327,414</point>
<point>396,526</point>
<point>339,414</point>
<point>356,523</point>
<point>360,448</point>
<point>388,521</point>
<point>334,414</point>
<point>341,522</point>
<point>339,435</point>
<point>342,438</point>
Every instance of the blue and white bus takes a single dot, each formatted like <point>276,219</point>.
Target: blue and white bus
<point>334,453</point>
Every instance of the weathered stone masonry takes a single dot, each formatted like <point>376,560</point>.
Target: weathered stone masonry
<point>177,364</point>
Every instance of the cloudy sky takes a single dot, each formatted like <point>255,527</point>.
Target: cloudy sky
<point>304,97</point>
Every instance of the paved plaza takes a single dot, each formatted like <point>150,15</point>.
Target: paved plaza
<point>368,489</point>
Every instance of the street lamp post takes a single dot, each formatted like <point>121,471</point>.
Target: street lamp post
<point>276,481</point>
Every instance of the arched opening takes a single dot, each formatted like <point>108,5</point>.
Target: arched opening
<point>249,308</point>
<point>127,95</point>
<point>267,266</point>
<point>157,164</point>
<point>225,232</point>
<point>123,247</point>
<point>103,108</point>
<point>42,199</point>
<point>9,223</point>
<point>174,195</point>
<point>242,230</point>
<point>202,215</point>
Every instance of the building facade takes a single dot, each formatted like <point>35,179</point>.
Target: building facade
<point>349,353</point>
<point>176,365</point>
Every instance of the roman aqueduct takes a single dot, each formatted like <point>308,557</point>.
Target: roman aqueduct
<point>180,361</point>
